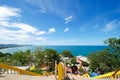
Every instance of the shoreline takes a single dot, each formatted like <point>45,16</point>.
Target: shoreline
<point>75,50</point>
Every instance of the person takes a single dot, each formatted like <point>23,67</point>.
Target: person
<point>74,69</point>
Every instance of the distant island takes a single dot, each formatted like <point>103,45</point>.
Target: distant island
<point>3,46</point>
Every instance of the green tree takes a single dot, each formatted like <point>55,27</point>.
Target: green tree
<point>103,61</point>
<point>67,53</point>
<point>3,60</point>
<point>50,57</point>
<point>1,54</point>
<point>106,60</point>
<point>85,64</point>
<point>73,60</point>
<point>92,57</point>
<point>37,56</point>
<point>114,44</point>
<point>20,58</point>
<point>4,57</point>
<point>47,57</point>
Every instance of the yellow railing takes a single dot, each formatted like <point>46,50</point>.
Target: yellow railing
<point>106,76</point>
<point>110,75</point>
<point>86,75</point>
<point>20,71</point>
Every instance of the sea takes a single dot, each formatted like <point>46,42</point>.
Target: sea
<point>75,50</point>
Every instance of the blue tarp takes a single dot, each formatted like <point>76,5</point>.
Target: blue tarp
<point>93,74</point>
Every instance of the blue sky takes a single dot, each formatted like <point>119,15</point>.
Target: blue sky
<point>59,22</point>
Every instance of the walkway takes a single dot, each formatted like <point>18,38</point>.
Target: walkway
<point>25,77</point>
<point>28,77</point>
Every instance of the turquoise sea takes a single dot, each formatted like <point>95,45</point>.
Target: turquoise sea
<point>76,50</point>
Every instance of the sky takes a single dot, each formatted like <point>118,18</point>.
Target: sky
<point>59,22</point>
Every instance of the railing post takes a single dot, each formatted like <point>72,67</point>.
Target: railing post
<point>112,78</point>
<point>19,73</point>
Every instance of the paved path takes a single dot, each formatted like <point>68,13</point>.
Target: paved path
<point>25,77</point>
<point>51,77</point>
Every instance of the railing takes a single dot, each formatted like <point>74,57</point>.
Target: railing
<point>105,76</point>
<point>110,75</point>
<point>19,71</point>
<point>86,75</point>
<point>115,75</point>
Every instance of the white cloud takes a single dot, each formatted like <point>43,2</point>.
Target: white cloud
<point>18,35</point>
<point>51,30</point>
<point>66,29</point>
<point>18,32</point>
<point>40,33</point>
<point>25,27</point>
<point>4,23</point>
<point>68,19</point>
<point>7,12</point>
<point>110,26</point>
<point>53,7</point>
<point>43,10</point>
<point>41,39</point>
<point>22,26</point>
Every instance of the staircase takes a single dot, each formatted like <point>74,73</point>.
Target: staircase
<point>19,71</point>
<point>108,76</point>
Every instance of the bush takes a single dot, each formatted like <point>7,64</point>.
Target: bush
<point>81,70</point>
<point>37,70</point>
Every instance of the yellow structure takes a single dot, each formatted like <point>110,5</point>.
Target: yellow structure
<point>60,71</point>
<point>86,75</point>
<point>20,71</point>
<point>32,68</point>
<point>109,76</point>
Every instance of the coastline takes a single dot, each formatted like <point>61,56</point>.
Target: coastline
<point>75,50</point>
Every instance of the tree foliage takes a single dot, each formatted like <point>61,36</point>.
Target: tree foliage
<point>47,57</point>
<point>106,60</point>
<point>67,53</point>
<point>4,57</point>
<point>85,64</point>
<point>114,44</point>
<point>73,60</point>
<point>103,61</point>
<point>39,57</point>
<point>20,58</point>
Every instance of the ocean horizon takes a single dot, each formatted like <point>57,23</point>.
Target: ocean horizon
<point>75,50</point>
